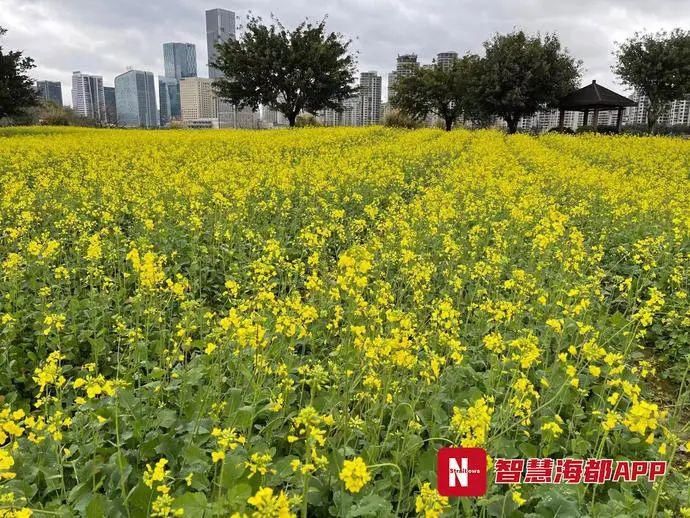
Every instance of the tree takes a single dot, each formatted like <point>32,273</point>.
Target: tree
<point>16,87</point>
<point>657,65</point>
<point>306,69</point>
<point>445,91</point>
<point>522,74</point>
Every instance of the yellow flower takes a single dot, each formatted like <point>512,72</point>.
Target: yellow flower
<point>642,416</point>
<point>149,268</point>
<point>162,506</point>
<point>517,498</point>
<point>355,474</point>
<point>555,324</point>
<point>6,463</point>
<point>429,503</point>
<point>552,428</point>
<point>94,251</point>
<point>218,455</point>
<point>157,474</point>
<point>259,463</point>
<point>269,506</point>
<point>227,439</point>
<point>610,421</point>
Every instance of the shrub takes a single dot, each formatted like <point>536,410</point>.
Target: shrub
<point>398,119</point>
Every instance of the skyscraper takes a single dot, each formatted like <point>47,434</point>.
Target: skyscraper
<point>179,60</point>
<point>88,98</point>
<point>50,91</point>
<point>220,27</point>
<point>445,59</point>
<point>110,104</point>
<point>169,99</point>
<point>197,99</point>
<point>405,64</point>
<point>676,112</point>
<point>135,95</point>
<point>370,98</point>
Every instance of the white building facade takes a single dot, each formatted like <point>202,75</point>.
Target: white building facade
<point>88,98</point>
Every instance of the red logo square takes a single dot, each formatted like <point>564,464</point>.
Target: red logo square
<point>461,471</point>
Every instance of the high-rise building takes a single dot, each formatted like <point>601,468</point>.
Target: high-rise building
<point>220,27</point>
<point>405,65</point>
<point>272,118</point>
<point>179,60</point>
<point>547,119</point>
<point>230,116</point>
<point>197,99</point>
<point>363,109</point>
<point>50,91</point>
<point>169,99</point>
<point>110,104</point>
<point>135,96</point>
<point>369,98</point>
<point>351,110</point>
<point>677,112</point>
<point>445,59</point>
<point>88,98</point>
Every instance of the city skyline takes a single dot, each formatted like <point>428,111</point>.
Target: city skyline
<point>104,39</point>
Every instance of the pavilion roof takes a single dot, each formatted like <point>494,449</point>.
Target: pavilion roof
<point>594,96</point>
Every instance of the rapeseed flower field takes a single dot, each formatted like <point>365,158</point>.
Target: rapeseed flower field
<point>284,323</point>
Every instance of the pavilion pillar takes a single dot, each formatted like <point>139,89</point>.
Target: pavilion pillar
<point>595,119</point>
<point>619,120</point>
<point>561,119</point>
<point>586,119</point>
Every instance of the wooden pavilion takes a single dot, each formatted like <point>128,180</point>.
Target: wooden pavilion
<point>595,98</point>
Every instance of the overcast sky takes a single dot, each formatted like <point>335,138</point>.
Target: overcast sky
<point>104,37</point>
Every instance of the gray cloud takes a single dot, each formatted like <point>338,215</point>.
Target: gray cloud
<point>104,37</point>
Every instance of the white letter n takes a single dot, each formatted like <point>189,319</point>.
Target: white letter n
<point>456,472</point>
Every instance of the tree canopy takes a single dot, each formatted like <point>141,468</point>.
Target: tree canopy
<point>522,74</point>
<point>16,88</point>
<point>446,91</point>
<point>657,65</point>
<point>306,69</point>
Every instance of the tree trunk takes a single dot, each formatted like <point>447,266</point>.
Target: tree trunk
<point>651,117</point>
<point>292,119</point>
<point>449,123</point>
<point>512,124</point>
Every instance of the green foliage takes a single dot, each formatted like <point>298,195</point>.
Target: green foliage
<point>601,128</point>
<point>657,65</point>
<point>306,69</point>
<point>16,87</point>
<point>522,74</point>
<point>307,120</point>
<point>665,130</point>
<point>398,119</point>
<point>446,91</point>
<point>47,113</point>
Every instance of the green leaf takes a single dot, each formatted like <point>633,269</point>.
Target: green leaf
<point>96,507</point>
<point>233,469</point>
<point>371,505</point>
<point>166,418</point>
<point>193,504</point>
<point>529,450</point>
